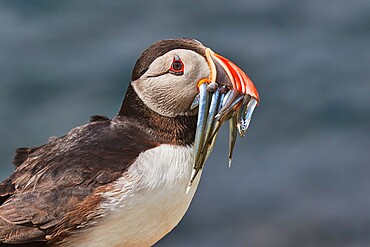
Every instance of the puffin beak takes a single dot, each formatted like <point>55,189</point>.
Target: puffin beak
<point>227,95</point>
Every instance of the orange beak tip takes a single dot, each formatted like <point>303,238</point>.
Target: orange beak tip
<point>239,80</point>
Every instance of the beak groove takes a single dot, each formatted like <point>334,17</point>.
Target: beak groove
<point>228,94</point>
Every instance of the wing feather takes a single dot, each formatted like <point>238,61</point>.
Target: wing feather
<point>54,188</point>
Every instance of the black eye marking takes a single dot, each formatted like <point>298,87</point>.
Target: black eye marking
<point>177,66</point>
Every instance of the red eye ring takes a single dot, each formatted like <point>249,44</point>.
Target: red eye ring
<point>177,66</point>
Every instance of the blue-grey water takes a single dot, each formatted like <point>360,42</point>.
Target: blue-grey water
<point>301,176</point>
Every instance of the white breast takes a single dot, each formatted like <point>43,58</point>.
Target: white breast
<point>147,202</point>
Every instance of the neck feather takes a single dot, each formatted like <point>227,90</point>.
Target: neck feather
<point>179,130</point>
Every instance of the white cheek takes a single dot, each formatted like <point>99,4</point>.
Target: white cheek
<point>167,94</point>
<point>195,65</point>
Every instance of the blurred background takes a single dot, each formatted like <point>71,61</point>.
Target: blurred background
<point>301,175</point>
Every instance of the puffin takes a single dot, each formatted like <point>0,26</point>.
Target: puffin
<point>129,180</point>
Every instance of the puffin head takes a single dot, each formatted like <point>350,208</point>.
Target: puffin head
<point>182,77</point>
<point>167,74</point>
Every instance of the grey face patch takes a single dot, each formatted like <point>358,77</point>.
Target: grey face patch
<point>169,94</point>
<point>159,49</point>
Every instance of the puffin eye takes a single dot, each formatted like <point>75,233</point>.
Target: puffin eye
<point>177,66</point>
